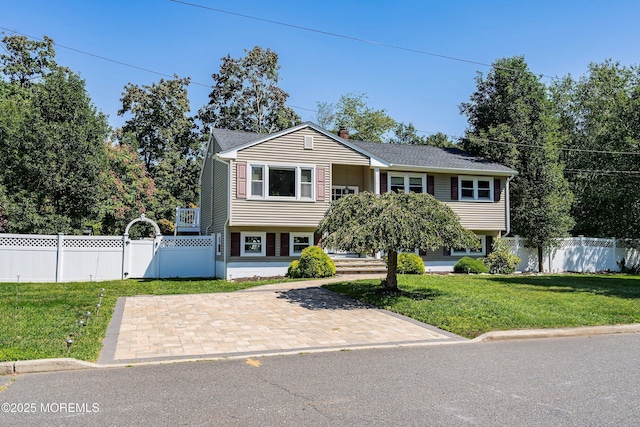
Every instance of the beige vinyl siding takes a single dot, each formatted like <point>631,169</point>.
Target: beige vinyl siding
<point>206,193</point>
<point>473,215</point>
<point>289,150</point>
<point>220,197</point>
<point>342,175</point>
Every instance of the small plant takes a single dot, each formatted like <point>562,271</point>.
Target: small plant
<point>470,265</point>
<point>293,271</point>
<point>629,268</point>
<point>166,227</point>
<point>313,262</point>
<point>410,264</point>
<point>501,260</point>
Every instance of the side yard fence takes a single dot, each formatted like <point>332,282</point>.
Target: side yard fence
<point>576,254</point>
<point>37,258</point>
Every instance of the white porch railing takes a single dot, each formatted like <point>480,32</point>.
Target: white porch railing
<point>187,220</point>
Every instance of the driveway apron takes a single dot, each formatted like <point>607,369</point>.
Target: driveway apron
<point>271,319</point>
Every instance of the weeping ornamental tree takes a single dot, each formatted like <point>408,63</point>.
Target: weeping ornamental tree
<point>392,223</point>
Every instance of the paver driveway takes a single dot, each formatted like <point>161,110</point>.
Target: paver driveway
<point>279,318</point>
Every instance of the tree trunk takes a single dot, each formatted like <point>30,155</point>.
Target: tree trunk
<point>540,261</point>
<point>391,282</point>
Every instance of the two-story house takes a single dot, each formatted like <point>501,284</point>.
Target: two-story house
<point>262,196</point>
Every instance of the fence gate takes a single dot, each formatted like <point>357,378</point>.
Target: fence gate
<point>142,264</point>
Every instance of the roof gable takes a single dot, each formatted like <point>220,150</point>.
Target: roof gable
<point>232,141</point>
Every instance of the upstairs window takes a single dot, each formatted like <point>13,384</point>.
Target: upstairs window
<point>407,183</point>
<point>475,188</point>
<point>281,182</point>
<point>257,180</point>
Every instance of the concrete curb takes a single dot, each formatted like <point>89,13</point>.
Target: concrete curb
<point>48,365</point>
<point>557,333</point>
<point>6,368</point>
<point>69,364</point>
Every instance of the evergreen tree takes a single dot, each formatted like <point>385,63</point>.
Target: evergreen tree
<point>511,121</point>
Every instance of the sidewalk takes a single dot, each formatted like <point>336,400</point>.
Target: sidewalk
<point>271,319</point>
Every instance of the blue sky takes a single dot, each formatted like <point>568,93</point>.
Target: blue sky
<point>556,37</point>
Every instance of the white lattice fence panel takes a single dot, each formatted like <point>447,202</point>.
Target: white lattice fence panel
<point>570,242</point>
<point>186,242</point>
<point>28,241</point>
<point>92,242</point>
<point>510,241</point>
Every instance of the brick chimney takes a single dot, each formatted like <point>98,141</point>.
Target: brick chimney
<point>343,133</point>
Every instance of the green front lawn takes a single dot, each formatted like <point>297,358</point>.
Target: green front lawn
<point>471,305</point>
<point>36,318</point>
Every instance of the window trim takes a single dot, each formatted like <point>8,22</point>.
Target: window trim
<point>298,168</point>
<point>468,252</point>
<point>407,182</point>
<point>475,180</point>
<point>292,235</point>
<point>263,242</point>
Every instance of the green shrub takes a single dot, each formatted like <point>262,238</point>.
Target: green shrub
<point>410,264</point>
<point>293,271</point>
<point>629,268</point>
<point>313,262</point>
<point>470,265</point>
<point>166,227</point>
<point>501,260</point>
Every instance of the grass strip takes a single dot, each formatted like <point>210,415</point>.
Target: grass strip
<point>37,318</point>
<point>470,305</point>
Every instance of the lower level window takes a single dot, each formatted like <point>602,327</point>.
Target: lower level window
<point>482,250</point>
<point>299,242</point>
<point>253,244</point>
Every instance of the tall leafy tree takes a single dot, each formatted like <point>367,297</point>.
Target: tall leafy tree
<point>511,121</point>
<point>392,223</point>
<point>246,95</point>
<point>52,143</point>
<point>25,60</point>
<point>160,128</point>
<point>354,115</point>
<point>129,187</point>
<point>599,113</point>
<point>407,134</point>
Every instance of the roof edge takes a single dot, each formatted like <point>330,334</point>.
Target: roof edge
<point>231,152</point>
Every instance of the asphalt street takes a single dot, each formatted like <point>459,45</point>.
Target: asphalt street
<point>579,381</point>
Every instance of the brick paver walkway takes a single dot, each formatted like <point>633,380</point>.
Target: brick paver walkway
<point>278,318</point>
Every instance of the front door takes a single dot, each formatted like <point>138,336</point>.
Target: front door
<point>338,191</point>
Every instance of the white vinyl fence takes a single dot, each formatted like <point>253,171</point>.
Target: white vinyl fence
<point>575,254</point>
<point>36,258</point>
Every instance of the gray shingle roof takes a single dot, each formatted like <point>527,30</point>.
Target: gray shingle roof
<point>426,156</point>
<point>230,139</point>
<point>419,156</point>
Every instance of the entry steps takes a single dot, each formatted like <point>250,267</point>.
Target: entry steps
<point>348,265</point>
